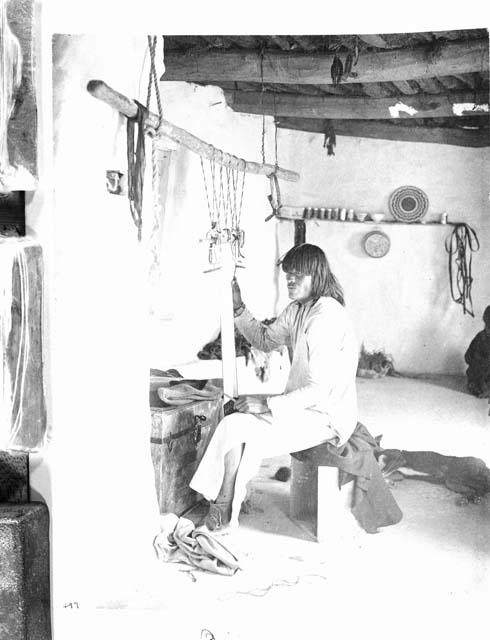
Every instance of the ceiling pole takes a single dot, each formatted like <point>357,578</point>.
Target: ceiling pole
<point>388,130</point>
<point>357,107</point>
<point>291,67</point>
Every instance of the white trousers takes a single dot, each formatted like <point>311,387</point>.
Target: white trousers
<point>263,437</point>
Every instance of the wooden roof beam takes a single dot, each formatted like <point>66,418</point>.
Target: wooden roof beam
<point>305,43</point>
<point>389,131</point>
<point>302,106</point>
<point>282,42</point>
<point>451,82</point>
<point>405,87</point>
<point>430,85</point>
<point>314,68</point>
<point>375,90</point>
<point>468,81</point>
<point>374,40</point>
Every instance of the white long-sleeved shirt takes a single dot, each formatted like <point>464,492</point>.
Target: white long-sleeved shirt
<point>324,350</point>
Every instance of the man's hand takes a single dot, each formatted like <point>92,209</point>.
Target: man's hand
<point>252,404</point>
<point>237,295</point>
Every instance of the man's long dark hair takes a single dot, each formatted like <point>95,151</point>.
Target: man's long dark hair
<point>308,259</point>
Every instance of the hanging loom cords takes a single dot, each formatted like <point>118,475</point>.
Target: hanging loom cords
<point>462,240</point>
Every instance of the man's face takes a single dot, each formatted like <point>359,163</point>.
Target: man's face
<point>299,286</point>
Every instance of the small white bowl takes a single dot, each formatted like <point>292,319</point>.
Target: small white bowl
<point>361,216</point>
<point>377,217</point>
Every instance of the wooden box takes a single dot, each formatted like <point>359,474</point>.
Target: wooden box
<point>24,572</point>
<point>179,438</point>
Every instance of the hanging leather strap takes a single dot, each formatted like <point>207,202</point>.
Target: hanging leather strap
<point>460,245</point>
<point>136,165</point>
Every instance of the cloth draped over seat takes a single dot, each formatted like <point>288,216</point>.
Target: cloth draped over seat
<point>373,504</point>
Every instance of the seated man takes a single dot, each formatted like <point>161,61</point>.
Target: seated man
<point>478,360</point>
<point>319,403</point>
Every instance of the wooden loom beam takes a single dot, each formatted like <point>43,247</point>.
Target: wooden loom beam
<point>100,90</point>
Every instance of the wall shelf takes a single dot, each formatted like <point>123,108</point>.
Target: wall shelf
<point>369,222</point>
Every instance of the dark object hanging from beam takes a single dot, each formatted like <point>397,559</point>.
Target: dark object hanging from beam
<point>330,141</point>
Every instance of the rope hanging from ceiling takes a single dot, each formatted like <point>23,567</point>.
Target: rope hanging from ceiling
<point>460,245</point>
<point>153,79</point>
<point>156,158</point>
<point>274,197</point>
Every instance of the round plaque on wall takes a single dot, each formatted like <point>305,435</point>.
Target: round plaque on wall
<point>376,244</point>
<point>408,204</point>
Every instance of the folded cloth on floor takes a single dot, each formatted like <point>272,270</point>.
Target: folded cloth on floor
<point>180,541</point>
<point>183,393</point>
<point>373,503</point>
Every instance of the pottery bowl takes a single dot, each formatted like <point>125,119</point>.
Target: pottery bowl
<point>377,217</point>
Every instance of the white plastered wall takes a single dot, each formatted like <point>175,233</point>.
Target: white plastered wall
<point>95,473</point>
<point>400,303</point>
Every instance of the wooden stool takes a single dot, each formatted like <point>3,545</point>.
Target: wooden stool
<point>315,497</point>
